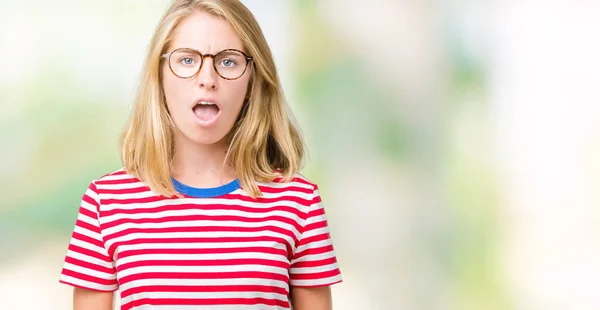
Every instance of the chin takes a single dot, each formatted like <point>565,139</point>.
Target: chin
<point>205,137</point>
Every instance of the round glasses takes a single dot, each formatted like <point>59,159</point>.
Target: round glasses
<point>229,64</point>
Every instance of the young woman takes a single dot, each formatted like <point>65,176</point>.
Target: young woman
<point>209,210</point>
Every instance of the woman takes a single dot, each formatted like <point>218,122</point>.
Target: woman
<point>209,210</point>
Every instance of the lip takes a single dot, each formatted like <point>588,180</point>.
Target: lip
<point>212,121</point>
<point>207,99</point>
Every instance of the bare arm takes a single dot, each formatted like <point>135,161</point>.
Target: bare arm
<point>311,298</point>
<point>84,299</point>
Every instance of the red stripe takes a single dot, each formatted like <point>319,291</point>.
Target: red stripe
<point>277,190</point>
<point>315,276</point>
<point>294,179</point>
<point>88,239</point>
<point>205,275</point>
<point>89,252</point>
<point>126,201</point>
<point>203,217</point>
<point>191,241</point>
<point>150,230</point>
<point>204,207</point>
<point>316,199</point>
<point>133,190</point>
<point>88,278</point>
<point>314,251</point>
<point>206,302</point>
<point>295,199</point>
<point>88,226</point>
<point>88,213</point>
<point>89,265</point>
<point>90,200</point>
<point>265,250</point>
<point>204,288</point>
<point>133,200</point>
<point>118,172</point>
<point>315,238</point>
<point>316,212</point>
<point>315,263</point>
<point>206,262</point>
<point>118,181</point>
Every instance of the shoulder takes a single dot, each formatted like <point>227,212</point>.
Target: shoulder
<point>297,181</point>
<point>298,187</point>
<point>116,179</point>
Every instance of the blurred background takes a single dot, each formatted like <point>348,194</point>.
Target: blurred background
<point>455,143</point>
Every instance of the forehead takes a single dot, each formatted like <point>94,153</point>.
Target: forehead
<point>205,32</point>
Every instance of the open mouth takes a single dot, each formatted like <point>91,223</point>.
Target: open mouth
<point>206,111</point>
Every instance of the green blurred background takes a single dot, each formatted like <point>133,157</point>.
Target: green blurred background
<point>455,143</point>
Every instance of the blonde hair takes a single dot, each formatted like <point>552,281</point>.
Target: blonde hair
<point>265,142</point>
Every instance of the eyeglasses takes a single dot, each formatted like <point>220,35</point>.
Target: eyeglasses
<point>229,64</point>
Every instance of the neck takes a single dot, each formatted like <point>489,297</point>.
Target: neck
<point>201,165</point>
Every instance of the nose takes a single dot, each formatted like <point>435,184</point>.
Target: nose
<point>207,77</point>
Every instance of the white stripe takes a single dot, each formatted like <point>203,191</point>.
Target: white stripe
<point>86,232</point>
<point>317,218</point>
<point>101,187</point>
<point>113,177</point>
<point>308,258</point>
<point>222,245</point>
<point>217,256</point>
<point>211,212</point>
<point>88,246</point>
<point>90,272</point>
<point>201,202</point>
<point>86,219</point>
<point>203,295</point>
<point>305,270</point>
<point>147,193</point>
<point>315,232</point>
<point>207,234</point>
<point>292,192</point>
<point>87,284</point>
<point>284,185</point>
<point>92,194</point>
<point>316,282</point>
<point>204,282</point>
<point>88,206</point>
<point>89,259</point>
<point>201,223</point>
<point>138,195</point>
<point>193,269</point>
<point>312,245</point>
<point>209,307</point>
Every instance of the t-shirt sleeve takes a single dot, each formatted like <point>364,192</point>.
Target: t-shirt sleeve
<point>314,262</point>
<point>87,263</point>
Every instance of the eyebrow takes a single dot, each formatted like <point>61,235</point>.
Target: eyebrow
<point>224,49</point>
<point>248,57</point>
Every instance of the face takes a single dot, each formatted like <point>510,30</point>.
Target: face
<point>205,107</point>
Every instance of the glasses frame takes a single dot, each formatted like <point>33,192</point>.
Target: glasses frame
<point>167,56</point>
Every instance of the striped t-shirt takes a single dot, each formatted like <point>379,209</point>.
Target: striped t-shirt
<point>211,247</point>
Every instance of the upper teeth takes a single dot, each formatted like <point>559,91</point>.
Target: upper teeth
<point>205,103</point>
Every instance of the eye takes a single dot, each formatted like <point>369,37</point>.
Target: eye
<point>187,60</point>
<point>228,62</point>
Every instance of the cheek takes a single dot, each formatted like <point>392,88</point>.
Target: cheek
<point>238,91</point>
<point>171,88</point>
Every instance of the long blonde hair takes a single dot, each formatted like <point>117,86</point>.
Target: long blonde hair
<point>265,142</point>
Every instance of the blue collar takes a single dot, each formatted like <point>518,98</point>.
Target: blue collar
<point>206,192</point>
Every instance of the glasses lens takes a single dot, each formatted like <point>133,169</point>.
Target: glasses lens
<point>185,63</point>
<point>230,64</point>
